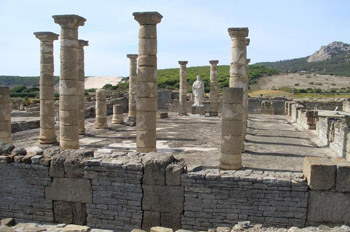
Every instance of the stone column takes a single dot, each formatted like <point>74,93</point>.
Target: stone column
<point>132,87</point>
<point>101,109</point>
<point>213,88</point>
<point>117,114</point>
<point>47,108</point>
<point>147,95</point>
<point>183,88</point>
<point>232,128</point>
<point>68,107</point>
<point>5,115</point>
<point>81,85</point>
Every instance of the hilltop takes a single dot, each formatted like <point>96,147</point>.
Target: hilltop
<point>332,59</point>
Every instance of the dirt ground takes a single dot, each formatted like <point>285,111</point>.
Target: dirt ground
<point>272,142</point>
<point>304,81</point>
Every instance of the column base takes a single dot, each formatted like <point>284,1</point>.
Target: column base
<point>230,167</point>
<point>131,121</point>
<point>118,119</point>
<point>45,140</point>
<point>6,140</point>
<point>65,144</point>
<point>101,126</point>
<point>198,109</point>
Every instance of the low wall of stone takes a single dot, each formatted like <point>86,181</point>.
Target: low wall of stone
<point>328,105</point>
<point>24,125</point>
<point>214,198</point>
<point>123,191</point>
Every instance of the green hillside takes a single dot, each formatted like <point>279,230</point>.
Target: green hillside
<point>21,80</point>
<point>338,65</point>
<point>169,78</point>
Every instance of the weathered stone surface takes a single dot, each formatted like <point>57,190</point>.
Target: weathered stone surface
<point>157,198</point>
<point>19,151</point>
<point>173,173</point>
<point>73,190</point>
<point>171,220</point>
<point>320,173</point>
<point>76,228</point>
<point>6,229</point>
<point>328,207</point>
<point>160,229</point>
<point>343,177</point>
<point>6,148</point>
<point>155,165</point>
<point>70,212</point>
<point>8,222</point>
<point>150,219</point>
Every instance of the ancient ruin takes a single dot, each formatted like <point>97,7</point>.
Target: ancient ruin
<point>183,88</point>
<point>69,94</point>
<point>132,88</point>
<point>236,162</point>
<point>146,104</point>
<point>47,114</point>
<point>5,114</point>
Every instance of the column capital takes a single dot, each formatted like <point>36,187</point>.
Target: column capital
<point>235,32</point>
<point>147,18</point>
<point>46,36</point>
<point>247,42</point>
<point>82,43</point>
<point>69,21</point>
<point>183,62</point>
<point>213,61</point>
<point>132,56</point>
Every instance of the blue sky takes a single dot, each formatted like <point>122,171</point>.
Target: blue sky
<point>192,30</point>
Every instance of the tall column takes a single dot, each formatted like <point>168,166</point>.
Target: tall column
<point>101,109</point>
<point>132,88</point>
<point>81,85</point>
<point>213,88</point>
<point>147,94</point>
<point>183,88</point>
<point>68,107</point>
<point>232,128</point>
<point>47,108</point>
<point>5,115</point>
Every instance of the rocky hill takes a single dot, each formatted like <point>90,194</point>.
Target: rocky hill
<point>332,59</point>
<point>326,52</point>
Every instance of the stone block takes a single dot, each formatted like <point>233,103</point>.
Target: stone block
<point>198,110</point>
<point>76,228</point>
<point>69,212</point>
<point>320,173</point>
<point>160,229</point>
<point>328,207</point>
<point>8,222</point>
<point>166,199</point>
<point>6,148</point>
<point>73,190</point>
<point>155,165</point>
<point>343,177</point>
<point>162,115</point>
<point>150,219</point>
<point>173,173</point>
<point>171,220</point>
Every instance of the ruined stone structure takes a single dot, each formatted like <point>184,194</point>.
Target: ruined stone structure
<point>213,87</point>
<point>132,87</point>
<point>232,128</point>
<point>5,114</point>
<point>146,104</point>
<point>68,108</point>
<point>183,88</point>
<point>101,109</point>
<point>47,111</point>
<point>81,85</point>
<point>117,114</point>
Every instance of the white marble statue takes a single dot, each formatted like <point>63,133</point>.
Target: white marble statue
<point>198,91</point>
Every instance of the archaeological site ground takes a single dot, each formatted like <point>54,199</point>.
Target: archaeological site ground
<point>179,159</point>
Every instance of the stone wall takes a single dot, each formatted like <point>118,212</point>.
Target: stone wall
<point>338,133</point>
<point>215,199</point>
<point>324,105</point>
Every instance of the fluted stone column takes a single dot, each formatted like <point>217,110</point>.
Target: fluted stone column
<point>101,109</point>
<point>147,94</point>
<point>68,107</point>
<point>132,87</point>
<point>5,115</point>
<point>117,114</point>
<point>213,88</point>
<point>47,108</point>
<point>232,128</point>
<point>81,85</point>
<point>183,88</point>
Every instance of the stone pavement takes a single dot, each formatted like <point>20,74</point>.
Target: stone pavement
<point>272,142</point>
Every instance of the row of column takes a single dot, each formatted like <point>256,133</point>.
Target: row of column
<point>213,88</point>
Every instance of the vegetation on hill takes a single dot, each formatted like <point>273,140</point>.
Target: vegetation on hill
<point>20,80</point>
<point>169,78</point>
<point>338,65</point>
